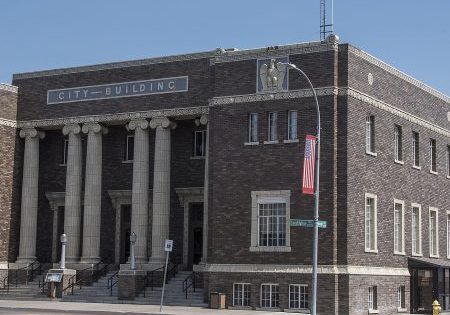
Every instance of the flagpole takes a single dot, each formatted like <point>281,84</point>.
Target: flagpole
<point>316,194</point>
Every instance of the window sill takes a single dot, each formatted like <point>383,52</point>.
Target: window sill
<point>62,164</point>
<point>374,312</point>
<point>399,162</point>
<point>399,253</point>
<point>297,310</point>
<point>433,172</point>
<point>270,249</point>
<point>273,309</point>
<point>371,153</point>
<point>197,157</point>
<point>416,255</point>
<point>251,143</point>
<point>237,307</point>
<point>416,167</point>
<point>448,177</point>
<point>291,141</point>
<point>271,142</point>
<point>371,251</point>
<point>434,256</point>
<point>401,310</point>
<point>127,162</point>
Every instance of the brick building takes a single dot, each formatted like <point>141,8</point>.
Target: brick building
<point>207,148</point>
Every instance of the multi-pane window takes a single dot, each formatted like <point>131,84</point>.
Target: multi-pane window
<point>371,223</point>
<point>434,250</point>
<point>292,125</point>
<point>298,296</point>
<point>398,227</point>
<point>415,149</point>
<point>370,134</point>
<point>448,161</point>
<point>273,133</point>
<point>416,230</point>
<point>372,298</point>
<point>241,294</point>
<point>448,235</point>
<point>270,295</point>
<point>65,151</point>
<point>401,297</point>
<point>199,142</point>
<point>433,155</point>
<point>253,127</point>
<point>129,148</point>
<point>272,224</point>
<point>398,146</point>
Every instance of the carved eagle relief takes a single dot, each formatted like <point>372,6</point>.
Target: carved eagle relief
<point>272,76</point>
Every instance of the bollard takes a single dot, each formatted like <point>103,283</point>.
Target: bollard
<point>436,308</point>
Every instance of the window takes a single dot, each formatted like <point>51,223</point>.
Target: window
<point>416,229</point>
<point>372,298</point>
<point>370,134</point>
<point>448,234</point>
<point>434,242</point>
<point>65,151</point>
<point>448,161</point>
<point>398,145</point>
<point>270,221</point>
<point>253,128</point>
<point>433,156</point>
<point>199,143</point>
<point>241,294</point>
<point>270,295</point>
<point>415,149</point>
<point>399,228</point>
<point>292,125</point>
<point>298,296</point>
<point>371,223</point>
<point>129,149</point>
<point>401,297</point>
<point>273,133</point>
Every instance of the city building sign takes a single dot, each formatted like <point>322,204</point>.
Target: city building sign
<point>116,90</point>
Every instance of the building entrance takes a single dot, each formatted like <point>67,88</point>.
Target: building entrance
<point>125,231</point>
<point>195,239</point>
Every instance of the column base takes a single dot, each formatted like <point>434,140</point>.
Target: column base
<point>72,259</point>
<point>25,260</point>
<point>89,260</point>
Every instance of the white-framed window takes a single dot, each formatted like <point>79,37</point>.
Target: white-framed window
<point>65,152</point>
<point>416,229</point>
<point>253,127</point>
<point>129,148</point>
<point>241,294</point>
<point>270,221</point>
<point>433,168</point>
<point>370,134</point>
<point>199,143</point>
<point>372,298</point>
<point>270,295</point>
<point>399,227</point>
<point>292,125</point>
<point>401,305</point>
<point>415,149</point>
<point>371,223</point>
<point>448,161</point>
<point>298,296</point>
<point>272,123</point>
<point>434,230</point>
<point>398,143</point>
<point>448,234</point>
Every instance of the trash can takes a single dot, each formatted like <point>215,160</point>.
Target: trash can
<point>217,300</point>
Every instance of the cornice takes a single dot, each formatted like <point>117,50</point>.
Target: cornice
<point>8,123</point>
<point>115,65</point>
<point>272,52</point>
<point>8,87</point>
<point>392,70</point>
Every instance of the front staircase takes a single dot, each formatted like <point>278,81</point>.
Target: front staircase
<point>25,292</point>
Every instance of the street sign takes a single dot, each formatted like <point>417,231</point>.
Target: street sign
<point>168,245</point>
<point>308,223</point>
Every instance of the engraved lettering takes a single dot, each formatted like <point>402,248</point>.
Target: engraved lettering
<point>108,91</point>
<point>76,93</point>
<point>141,87</point>
<point>61,95</point>
<point>70,95</point>
<point>160,86</point>
<point>135,88</point>
<point>171,85</point>
<point>151,87</point>
<point>118,90</point>
<point>126,89</point>
<point>85,92</point>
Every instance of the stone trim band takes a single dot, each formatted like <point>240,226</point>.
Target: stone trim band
<point>8,123</point>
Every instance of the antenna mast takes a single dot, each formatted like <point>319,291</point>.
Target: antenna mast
<point>326,24</point>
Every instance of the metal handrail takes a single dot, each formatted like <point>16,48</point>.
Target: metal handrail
<point>73,280</point>
<point>6,283</point>
<point>189,282</point>
<point>112,282</point>
<point>171,271</point>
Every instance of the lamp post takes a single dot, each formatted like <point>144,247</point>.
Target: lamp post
<point>316,194</point>
<point>63,251</point>
<point>133,238</point>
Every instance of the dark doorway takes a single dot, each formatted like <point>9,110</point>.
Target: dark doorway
<point>423,289</point>
<point>125,230</point>
<point>195,234</point>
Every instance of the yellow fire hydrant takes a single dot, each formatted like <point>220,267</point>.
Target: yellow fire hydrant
<point>436,308</point>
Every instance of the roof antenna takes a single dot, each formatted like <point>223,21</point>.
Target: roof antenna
<point>326,24</point>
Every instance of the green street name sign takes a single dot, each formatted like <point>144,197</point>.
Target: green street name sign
<point>308,223</point>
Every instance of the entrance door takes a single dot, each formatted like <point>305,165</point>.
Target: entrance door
<point>195,234</point>
<point>125,231</point>
<point>424,289</point>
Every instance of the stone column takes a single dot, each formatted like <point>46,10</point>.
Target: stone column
<point>161,188</point>
<point>139,199</point>
<point>204,121</point>
<point>92,193</point>
<point>72,208</point>
<point>29,205</point>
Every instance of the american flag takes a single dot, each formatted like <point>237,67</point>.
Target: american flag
<point>308,165</point>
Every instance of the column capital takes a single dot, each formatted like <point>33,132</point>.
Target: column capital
<point>204,119</point>
<point>31,133</point>
<point>71,128</point>
<point>138,123</point>
<point>95,128</point>
<point>163,122</point>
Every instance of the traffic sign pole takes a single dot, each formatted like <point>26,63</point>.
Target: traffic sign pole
<point>167,248</point>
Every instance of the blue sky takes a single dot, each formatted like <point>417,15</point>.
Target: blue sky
<point>412,35</point>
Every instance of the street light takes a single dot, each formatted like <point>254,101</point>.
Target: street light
<point>133,238</point>
<point>63,251</point>
<point>316,202</point>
